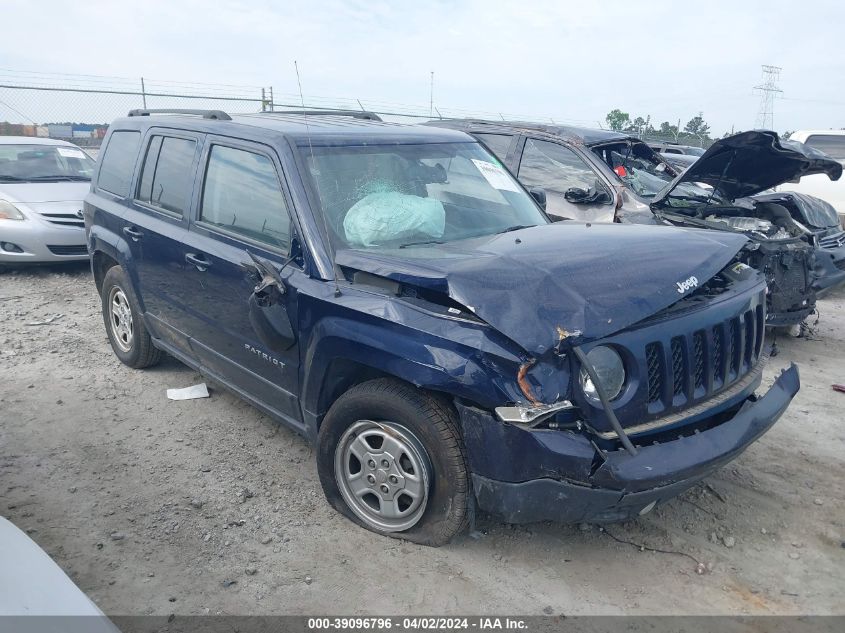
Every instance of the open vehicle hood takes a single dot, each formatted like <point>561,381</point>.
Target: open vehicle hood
<point>749,163</point>
<point>540,285</point>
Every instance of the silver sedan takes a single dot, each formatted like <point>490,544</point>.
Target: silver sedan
<point>42,185</point>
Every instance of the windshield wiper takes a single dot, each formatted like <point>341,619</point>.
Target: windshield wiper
<point>420,243</point>
<point>516,227</point>
<point>59,177</point>
<point>692,198</point>
<point>11,179</point>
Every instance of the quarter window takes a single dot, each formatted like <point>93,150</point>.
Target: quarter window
<point>496,143</point>
<point>119,162</point>
<point>167,173</point>
<point>242,195</point>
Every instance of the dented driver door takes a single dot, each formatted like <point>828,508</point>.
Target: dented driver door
<point>244,301</point>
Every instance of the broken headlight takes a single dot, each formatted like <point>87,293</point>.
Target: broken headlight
<point>610,370</point>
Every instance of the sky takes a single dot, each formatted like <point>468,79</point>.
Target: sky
<point>568,61</point>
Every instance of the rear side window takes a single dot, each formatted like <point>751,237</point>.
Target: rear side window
<point>831,144</point>
<point>167,173</point>
<point>496,143</point>
<point>242,194</point>
<point>119,162</point>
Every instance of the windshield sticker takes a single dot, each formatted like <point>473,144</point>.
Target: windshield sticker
<point>70,152</point>
<point>495,175</point>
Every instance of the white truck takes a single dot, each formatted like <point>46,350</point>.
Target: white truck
<point>832,143</point>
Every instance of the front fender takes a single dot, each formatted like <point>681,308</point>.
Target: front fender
<point>422,359</point>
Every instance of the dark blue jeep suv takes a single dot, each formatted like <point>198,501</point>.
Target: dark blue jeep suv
<point>394,294</point>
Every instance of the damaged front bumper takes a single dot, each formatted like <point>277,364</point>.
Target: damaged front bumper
<point>560,476</point>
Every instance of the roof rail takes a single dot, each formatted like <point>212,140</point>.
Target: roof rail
<point>358,114</point>
<point>205,114</point>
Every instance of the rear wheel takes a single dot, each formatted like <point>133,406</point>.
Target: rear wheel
<point>390,458</point>
<point>122,317</point>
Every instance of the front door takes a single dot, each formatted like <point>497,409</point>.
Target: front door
<point>573,189</point>
<point>243,305</point>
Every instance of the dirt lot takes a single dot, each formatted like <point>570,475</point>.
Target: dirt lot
<point>206,506</point>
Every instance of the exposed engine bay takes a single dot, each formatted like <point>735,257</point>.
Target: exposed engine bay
<point>794,239</point>
<point>782,244</point>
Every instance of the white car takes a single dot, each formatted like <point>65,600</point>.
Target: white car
<point>832,143</point>
<point>32,584</point>
<point>42,184</point>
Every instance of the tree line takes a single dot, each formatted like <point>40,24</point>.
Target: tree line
<point>696,130</point>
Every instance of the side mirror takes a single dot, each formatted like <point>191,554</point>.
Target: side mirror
<point>576,195</point>
<point>539,196</point>
<point>267,312</point>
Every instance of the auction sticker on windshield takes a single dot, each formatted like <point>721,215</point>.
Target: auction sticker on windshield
<point>495,175</point>
<point>69,152</point>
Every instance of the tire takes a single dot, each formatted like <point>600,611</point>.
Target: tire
<point>124,324</point>
<point>426,430</point>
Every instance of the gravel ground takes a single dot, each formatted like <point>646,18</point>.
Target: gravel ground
<point>207,506</point>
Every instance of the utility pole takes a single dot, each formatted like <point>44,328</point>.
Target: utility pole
<point>768,91</point>
<point>431,97</point>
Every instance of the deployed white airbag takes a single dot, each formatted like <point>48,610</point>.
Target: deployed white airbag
<point>382,217</point>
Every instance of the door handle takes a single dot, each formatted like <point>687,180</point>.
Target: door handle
<point>132,232</point>
<point>198,261</point>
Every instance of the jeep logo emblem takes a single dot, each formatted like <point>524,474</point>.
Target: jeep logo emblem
<point>687,284</point>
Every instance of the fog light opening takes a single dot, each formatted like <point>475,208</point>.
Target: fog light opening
<point>11,248</point>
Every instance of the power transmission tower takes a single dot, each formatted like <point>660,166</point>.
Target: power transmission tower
<point>768,90</point>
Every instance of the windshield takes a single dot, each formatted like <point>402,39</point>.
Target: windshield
<point>411,195</point>
<point>647,174</point>
<point>44,163</point>
<point>637,166</point>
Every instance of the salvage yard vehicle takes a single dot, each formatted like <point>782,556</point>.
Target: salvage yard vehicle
<point>396,296</point>
<point>676,149</point>
<point>680,161</point>
<point>795,240</point>
<point>42,184</point>
<point>832,143</point>
<point>604,176</point>
<point>32,584</point>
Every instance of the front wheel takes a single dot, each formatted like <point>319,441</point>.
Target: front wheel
<point>390,458</point>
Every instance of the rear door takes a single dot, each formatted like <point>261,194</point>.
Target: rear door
<point>155,225</point>
<point>557,168</point>
<point>241,222</point>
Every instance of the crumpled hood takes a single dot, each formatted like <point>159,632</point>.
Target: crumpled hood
<point>34,192</point>
<point>587,281</point>
<point>748,163</point>
<point>813,212</point>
